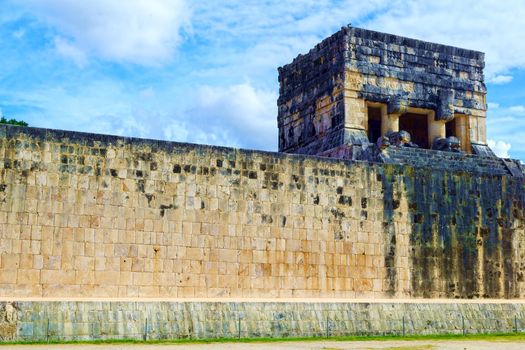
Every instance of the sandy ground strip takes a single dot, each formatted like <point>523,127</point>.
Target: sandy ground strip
<point>309,345</point>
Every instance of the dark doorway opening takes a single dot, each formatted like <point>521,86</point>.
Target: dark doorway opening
<point>450,128</point>
<point>417,126</point>
<point>374,123</point>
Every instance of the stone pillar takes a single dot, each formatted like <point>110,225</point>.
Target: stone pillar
<point>396,108</point>
<point>355,112</point>
<point>482,130</point>
<point>389,122</point>
<point>462,132</point>
<point>436,128</point>
<point>477,129</point>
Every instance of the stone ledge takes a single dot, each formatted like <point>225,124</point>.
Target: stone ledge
<point>39,321</point>
<point>11,132</point>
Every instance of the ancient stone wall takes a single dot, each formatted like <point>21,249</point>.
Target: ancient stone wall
<point>83,320</point>
<point>311,100</point>
<point>406,72</point>
<point>85,215</point>
<point>325,94</point>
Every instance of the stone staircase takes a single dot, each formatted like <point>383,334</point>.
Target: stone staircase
<point>433,159</point>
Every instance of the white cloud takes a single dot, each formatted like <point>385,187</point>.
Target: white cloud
<point>493,105</point>
<point>253,38</point>
<point>500,79</point>
<point>147,93</point>
<point>70,51</point>
<point>18,34</point>
<point>501,148</point>
<point>237,115</point>
<point>287,28</point>
<point>507,123</point>
<point>100,107</point>
<point>517,109</point>
<point>176,130</point>
<point>132,31</point>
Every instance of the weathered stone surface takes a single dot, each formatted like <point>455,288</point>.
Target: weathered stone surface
<point>85,215</point>
<point>324,94</point>
<point>431,159</point>
<point>45,320</point>
<point>9,314</point>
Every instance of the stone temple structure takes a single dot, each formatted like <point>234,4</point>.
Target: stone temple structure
<point>357,85</point>
<point>383,212</point>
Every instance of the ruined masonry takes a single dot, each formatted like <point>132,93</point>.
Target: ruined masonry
<point>358,84</point>
<point>384,188</point>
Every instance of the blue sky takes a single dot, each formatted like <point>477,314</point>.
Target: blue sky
<point>206,71</point>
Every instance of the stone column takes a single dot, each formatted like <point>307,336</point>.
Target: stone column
<point>389,122</point>
<point>396,108</point>
<point>436,128</point>
<point>462,132</point>
<point>355,112</point>
<point>482,130</point>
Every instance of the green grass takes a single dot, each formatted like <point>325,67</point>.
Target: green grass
<point>497,337</point>
<point>422,347</point>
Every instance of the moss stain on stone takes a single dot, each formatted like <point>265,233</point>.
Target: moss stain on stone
<point>462,238</point>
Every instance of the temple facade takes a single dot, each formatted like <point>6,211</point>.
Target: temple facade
<point>359,85</point>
